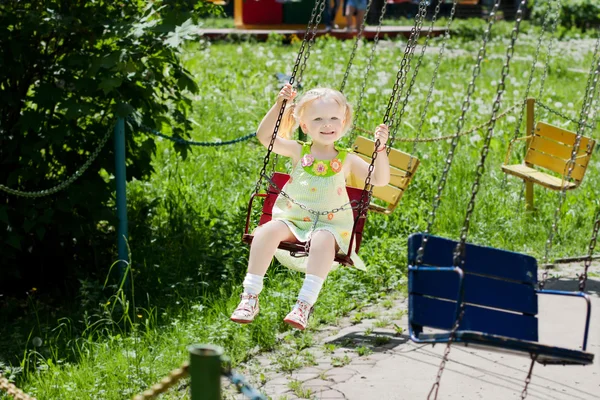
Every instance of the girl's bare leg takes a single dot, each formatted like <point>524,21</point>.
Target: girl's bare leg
<point>320,260</point>
<point>265,242</point>
<point>321,254</point>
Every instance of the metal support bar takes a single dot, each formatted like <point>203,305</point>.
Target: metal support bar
<point>205,372</point>
<point>121,197</point>
<point>574,259</point>
<point>530,127</point>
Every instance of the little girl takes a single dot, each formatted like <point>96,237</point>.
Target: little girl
<point>317,181</point>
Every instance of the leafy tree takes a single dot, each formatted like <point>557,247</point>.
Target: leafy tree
<point>68,70</point>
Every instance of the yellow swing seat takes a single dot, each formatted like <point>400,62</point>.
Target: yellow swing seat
<point>550,148</point>
<point>403,167</point>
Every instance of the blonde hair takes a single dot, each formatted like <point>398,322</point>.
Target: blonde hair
<point>293,112</point>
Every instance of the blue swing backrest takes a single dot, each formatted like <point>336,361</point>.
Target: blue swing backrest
<point>499,290</point>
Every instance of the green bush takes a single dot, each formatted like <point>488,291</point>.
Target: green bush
<point>68,69</point>
<point>582,14</point>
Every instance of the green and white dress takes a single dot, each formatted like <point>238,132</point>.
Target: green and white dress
<point>321,186</point>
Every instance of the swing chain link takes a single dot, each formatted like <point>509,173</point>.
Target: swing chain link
<point>550,48</point>
<point>532,72</point>
<point>436,386</point>
<point>166,383</point>
<point>459,125</point>
<point>399,75</point>
<point>352,136</point>
<point>413,78</point>
<point>459,251</point>
<point>528,378</point>
<point>320,4</point>
<point>560,114</point>
<point>356,42</point>
<point>284,102</point>
<point>405,66</point>
<point>12,390</point>
<point>490,132</point>
<point>585,110</point>
<point>306,208</point>
<point>588,259</point>
<point>367,193</point>
<point>435,73</point>
<point>66,182</point>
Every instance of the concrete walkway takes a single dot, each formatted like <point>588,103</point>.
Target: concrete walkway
<point>396,368</point>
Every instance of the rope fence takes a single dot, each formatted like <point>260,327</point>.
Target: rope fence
<point>448,137</point>
<point>206,367</point>
<point>12,390</point>
<point>148,130</point>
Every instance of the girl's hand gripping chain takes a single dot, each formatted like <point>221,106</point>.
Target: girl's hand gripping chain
<point>286,93</point>
<point>382,134</point>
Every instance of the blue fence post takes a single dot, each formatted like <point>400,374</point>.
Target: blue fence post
<point>121,181</point>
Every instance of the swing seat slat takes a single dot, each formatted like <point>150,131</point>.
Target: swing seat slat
<point>499,296</point>
<point>270,197</point>
<point>550,148</point>
<point>402,168</point>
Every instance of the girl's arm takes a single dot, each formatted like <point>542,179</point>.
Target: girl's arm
<point>264,133</point>
<point>381,171</point>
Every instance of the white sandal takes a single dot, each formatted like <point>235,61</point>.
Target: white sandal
<point>298,317</point>
<point>247,310</point>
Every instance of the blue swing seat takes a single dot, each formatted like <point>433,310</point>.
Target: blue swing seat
<point>500,298</point>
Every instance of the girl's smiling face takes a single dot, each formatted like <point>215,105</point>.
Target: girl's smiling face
<point>323,120</point>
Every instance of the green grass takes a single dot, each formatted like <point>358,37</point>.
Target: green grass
<point>188,261</point>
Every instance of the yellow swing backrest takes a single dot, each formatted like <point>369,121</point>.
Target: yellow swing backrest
<point>551,147</point>
<point>403,167</point>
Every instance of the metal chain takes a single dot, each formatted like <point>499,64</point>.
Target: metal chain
<point>147,129</point>
<point>459,125</point>
<point>436,386</point>
<point>308,209</point>
<point>353,54</point>
<point>436,70</point>
<point>409,52</point>
<point>485,150</point>
<point>459,251</point>
<point>447,137</point>
<point>240,382</point>
<point>12,390</point>
<point>367,193</point>
<point>591,246</point>
<point>351,135</point>
<point>321,6</point>
<point>284,102</point>
<point>528,378</point>
<point>585,110</point>
<point>165,383</point>
<point>560,114</point>
<point>550,48</point>
<point>547,18</point>
<point>66,182</point>
<point>415,73</point>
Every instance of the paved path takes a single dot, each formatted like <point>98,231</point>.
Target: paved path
<point>399,369</point>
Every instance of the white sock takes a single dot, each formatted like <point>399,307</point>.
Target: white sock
<point>253,284</point>
<point>310,289</point>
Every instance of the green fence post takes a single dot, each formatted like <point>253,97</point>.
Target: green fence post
<point>121,198</point>
<point>205,372</point>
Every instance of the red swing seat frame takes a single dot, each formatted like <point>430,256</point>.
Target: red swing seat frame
<point>298,248</point>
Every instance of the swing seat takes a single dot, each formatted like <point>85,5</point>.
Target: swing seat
<point>402,168</point>
<point>297,248</point>
<point>500,301</point>
<point>550,147</point>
